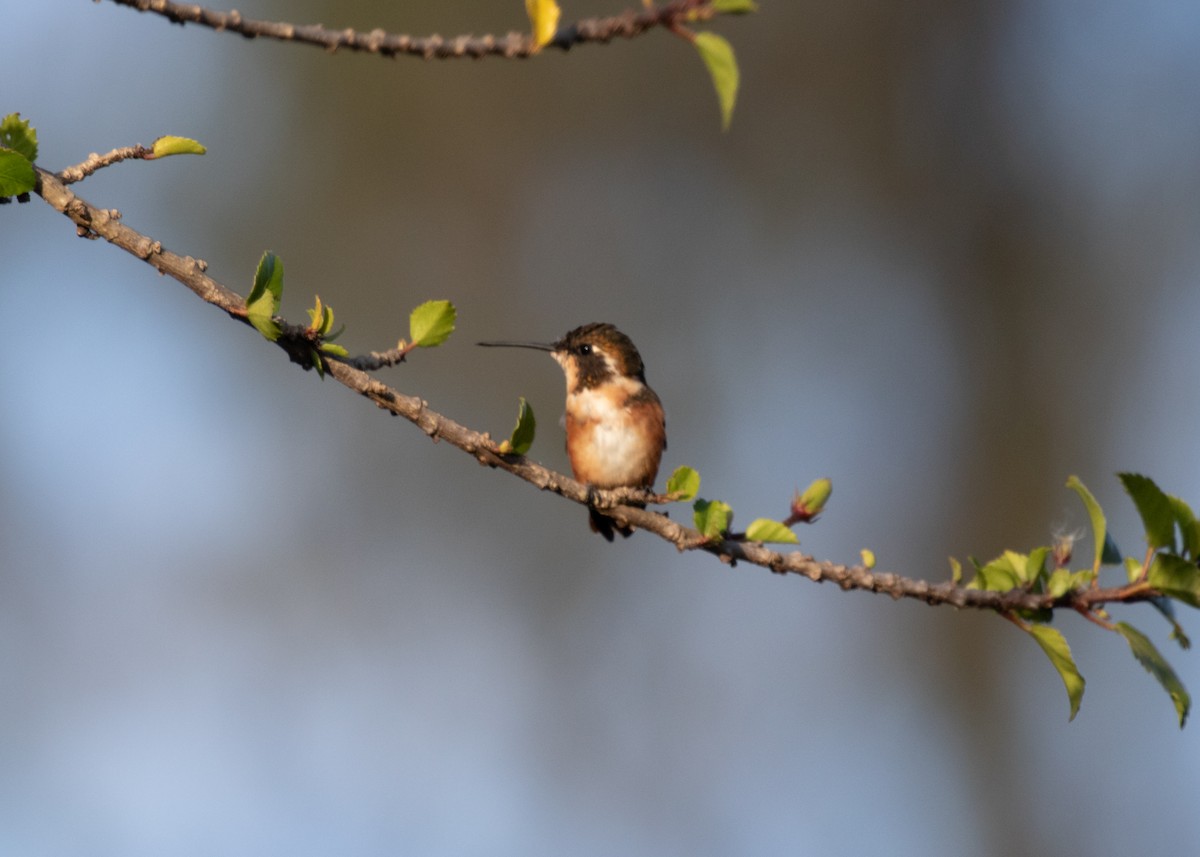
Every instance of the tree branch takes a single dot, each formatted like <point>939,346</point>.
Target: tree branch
<point>93,222</point>
<point>94,162</point>
<point>628,25</point>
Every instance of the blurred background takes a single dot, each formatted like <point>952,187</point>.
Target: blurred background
<point>947,255</point>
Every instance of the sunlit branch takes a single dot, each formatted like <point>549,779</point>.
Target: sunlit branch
<point>93,222</point>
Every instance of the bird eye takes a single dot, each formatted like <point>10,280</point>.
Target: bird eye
<point>585,349</point>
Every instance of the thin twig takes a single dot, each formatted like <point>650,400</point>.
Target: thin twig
<point>379,359</point>
<point>94,222</point>
<point>95,162</point>
<point>513,45</point>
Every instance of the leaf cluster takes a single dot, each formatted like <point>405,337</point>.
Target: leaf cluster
<point>713,518</point>
<point>429,325</point>
<point>1169,571</point>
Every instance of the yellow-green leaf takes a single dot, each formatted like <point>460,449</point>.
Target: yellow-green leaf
<point>807,506</point>
<point>165,146</point>
<point>1001,574</point>
<point>268,279</point>
<point>1148,656</point>
<point>16,173</point>
<point>320,318</point>
<point>1099,523</point>
<point>523,433</point>
<point>1061,581</point>
<point>543,20</point>
<point>260,315</point>
<point>1175,577</point>
<point>431,323</point>
<point>1189,530</point>
<point>766,530</point>
<point>684,483</point>
<point>317,312</point>
<point>718,56</point>
<point>712,518</point>
<point>734,7</point>
<point>868,558</point>
<point>1154,507</point>
<point>17,134</point>
<point>1054,644</point>
<point>263,303</point>
<point>1035,564</point>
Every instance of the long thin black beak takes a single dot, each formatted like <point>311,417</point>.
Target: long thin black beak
<point>537,346</point>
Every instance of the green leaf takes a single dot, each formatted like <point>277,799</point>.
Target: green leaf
<point>336,350</point>
<point>330,337</point>
<point>994,578</point>
<point>522,435</point>
<point>259,315</point>
<point>19,135</point>
<point>955,571</point>
<point>166,146</point>
<point>431,323</point>
<point>718,56</point>
<point>1054,644</point>
<point>268,278</point>
<point>320,320</point>
<point>1059,583</point>
<point>1158,516</point>
<point>1003,573</point>
<point>318,316</point>
<point>807,506</point>
<point>684,483</point>
<point>712,518</point>
<point>1189,529</point>
<point>1062,581</point>
<point>734,7</point>
<point>263,303</point>
<point>1099,524</point>
<point>1176,577</point>
<point>16,173</point>
<point>1157,666</point>
<point>1035,564</point>
<point>766,530</point>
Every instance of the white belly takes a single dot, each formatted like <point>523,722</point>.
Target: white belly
<point>612,450</point>
<point>621,454</point>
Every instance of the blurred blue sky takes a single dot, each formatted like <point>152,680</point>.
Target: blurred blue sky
<point>946,256</point>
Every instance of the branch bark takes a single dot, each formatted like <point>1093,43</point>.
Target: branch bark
<point>94,222</point>
<point>628,25</point>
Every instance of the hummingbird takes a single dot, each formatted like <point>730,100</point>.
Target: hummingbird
<point>616,429</point>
